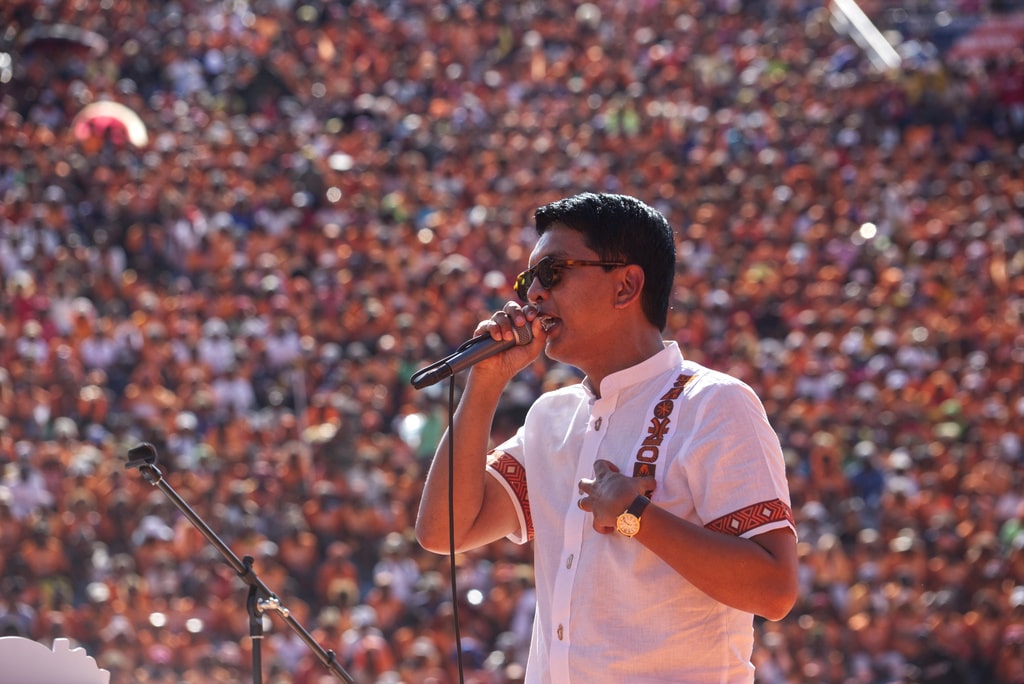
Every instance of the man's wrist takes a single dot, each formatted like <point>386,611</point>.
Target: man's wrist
<point>628,522</point>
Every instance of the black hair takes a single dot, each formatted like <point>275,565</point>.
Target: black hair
<point>620,227</point>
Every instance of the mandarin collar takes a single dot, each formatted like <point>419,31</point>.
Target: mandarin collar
<point>662,362</point>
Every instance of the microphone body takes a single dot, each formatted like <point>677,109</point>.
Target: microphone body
<point>472,352</point>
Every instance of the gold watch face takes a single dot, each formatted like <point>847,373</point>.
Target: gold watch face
<point>627,524</point>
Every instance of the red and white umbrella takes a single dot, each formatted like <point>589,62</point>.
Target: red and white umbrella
<point>113,119</point>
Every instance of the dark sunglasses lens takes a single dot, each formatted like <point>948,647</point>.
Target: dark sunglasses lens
<point>546,271</point>
<point>546,274</point>
<point>523,282</point>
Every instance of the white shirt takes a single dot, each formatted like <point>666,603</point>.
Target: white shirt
<point>98,352</point>
<point>218,353</point>
<point>608,609</point>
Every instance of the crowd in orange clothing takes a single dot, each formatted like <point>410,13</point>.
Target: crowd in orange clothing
<point>333,194</point>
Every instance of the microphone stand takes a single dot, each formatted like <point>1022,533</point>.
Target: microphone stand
<point>260,599</point>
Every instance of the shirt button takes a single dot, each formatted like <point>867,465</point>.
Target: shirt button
<point>597,424</point>
<point>568,561</point>
<point>559,632</point>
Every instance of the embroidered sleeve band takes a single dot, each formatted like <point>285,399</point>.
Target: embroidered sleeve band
<point>750,518</point>
<point>513,476</point>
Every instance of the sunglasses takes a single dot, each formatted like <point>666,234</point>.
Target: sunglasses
<point>549,271</point>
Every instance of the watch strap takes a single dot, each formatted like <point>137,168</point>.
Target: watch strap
<point>638,505</point>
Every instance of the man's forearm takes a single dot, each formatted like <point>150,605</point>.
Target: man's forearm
<point>472,424</point>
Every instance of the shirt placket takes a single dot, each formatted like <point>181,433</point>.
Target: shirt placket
<point>577,522</point>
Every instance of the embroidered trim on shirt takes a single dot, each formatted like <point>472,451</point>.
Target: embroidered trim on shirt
<point>514,474</point>
<point>648,453</point>
<point>750,518</point>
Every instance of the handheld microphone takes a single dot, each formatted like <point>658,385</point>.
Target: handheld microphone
<point>472,352</point>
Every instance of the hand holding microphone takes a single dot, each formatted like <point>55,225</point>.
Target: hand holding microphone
<point>478,348</point>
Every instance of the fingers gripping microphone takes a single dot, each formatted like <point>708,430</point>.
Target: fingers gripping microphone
<point>472,352</point>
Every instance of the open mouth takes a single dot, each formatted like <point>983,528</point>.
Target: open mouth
<point>547,323</point>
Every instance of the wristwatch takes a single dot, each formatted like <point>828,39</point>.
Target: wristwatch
<point>628,522</point>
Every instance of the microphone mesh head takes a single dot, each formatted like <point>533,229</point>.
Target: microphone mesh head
<point>524,335</point>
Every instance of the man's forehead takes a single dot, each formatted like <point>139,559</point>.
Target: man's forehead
<point>561,242</point>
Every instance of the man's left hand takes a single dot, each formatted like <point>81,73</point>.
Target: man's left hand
<point>609,493</point>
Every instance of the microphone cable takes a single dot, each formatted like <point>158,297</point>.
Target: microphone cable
<point>451,525</point>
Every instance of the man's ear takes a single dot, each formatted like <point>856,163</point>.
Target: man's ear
<point>631,285</point>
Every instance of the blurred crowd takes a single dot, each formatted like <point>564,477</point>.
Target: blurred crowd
<point>332,194</point>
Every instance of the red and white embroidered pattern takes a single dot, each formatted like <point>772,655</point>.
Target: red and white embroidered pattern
<point>649,451</point>
<point>514,474</point>
<point>742,521</point>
